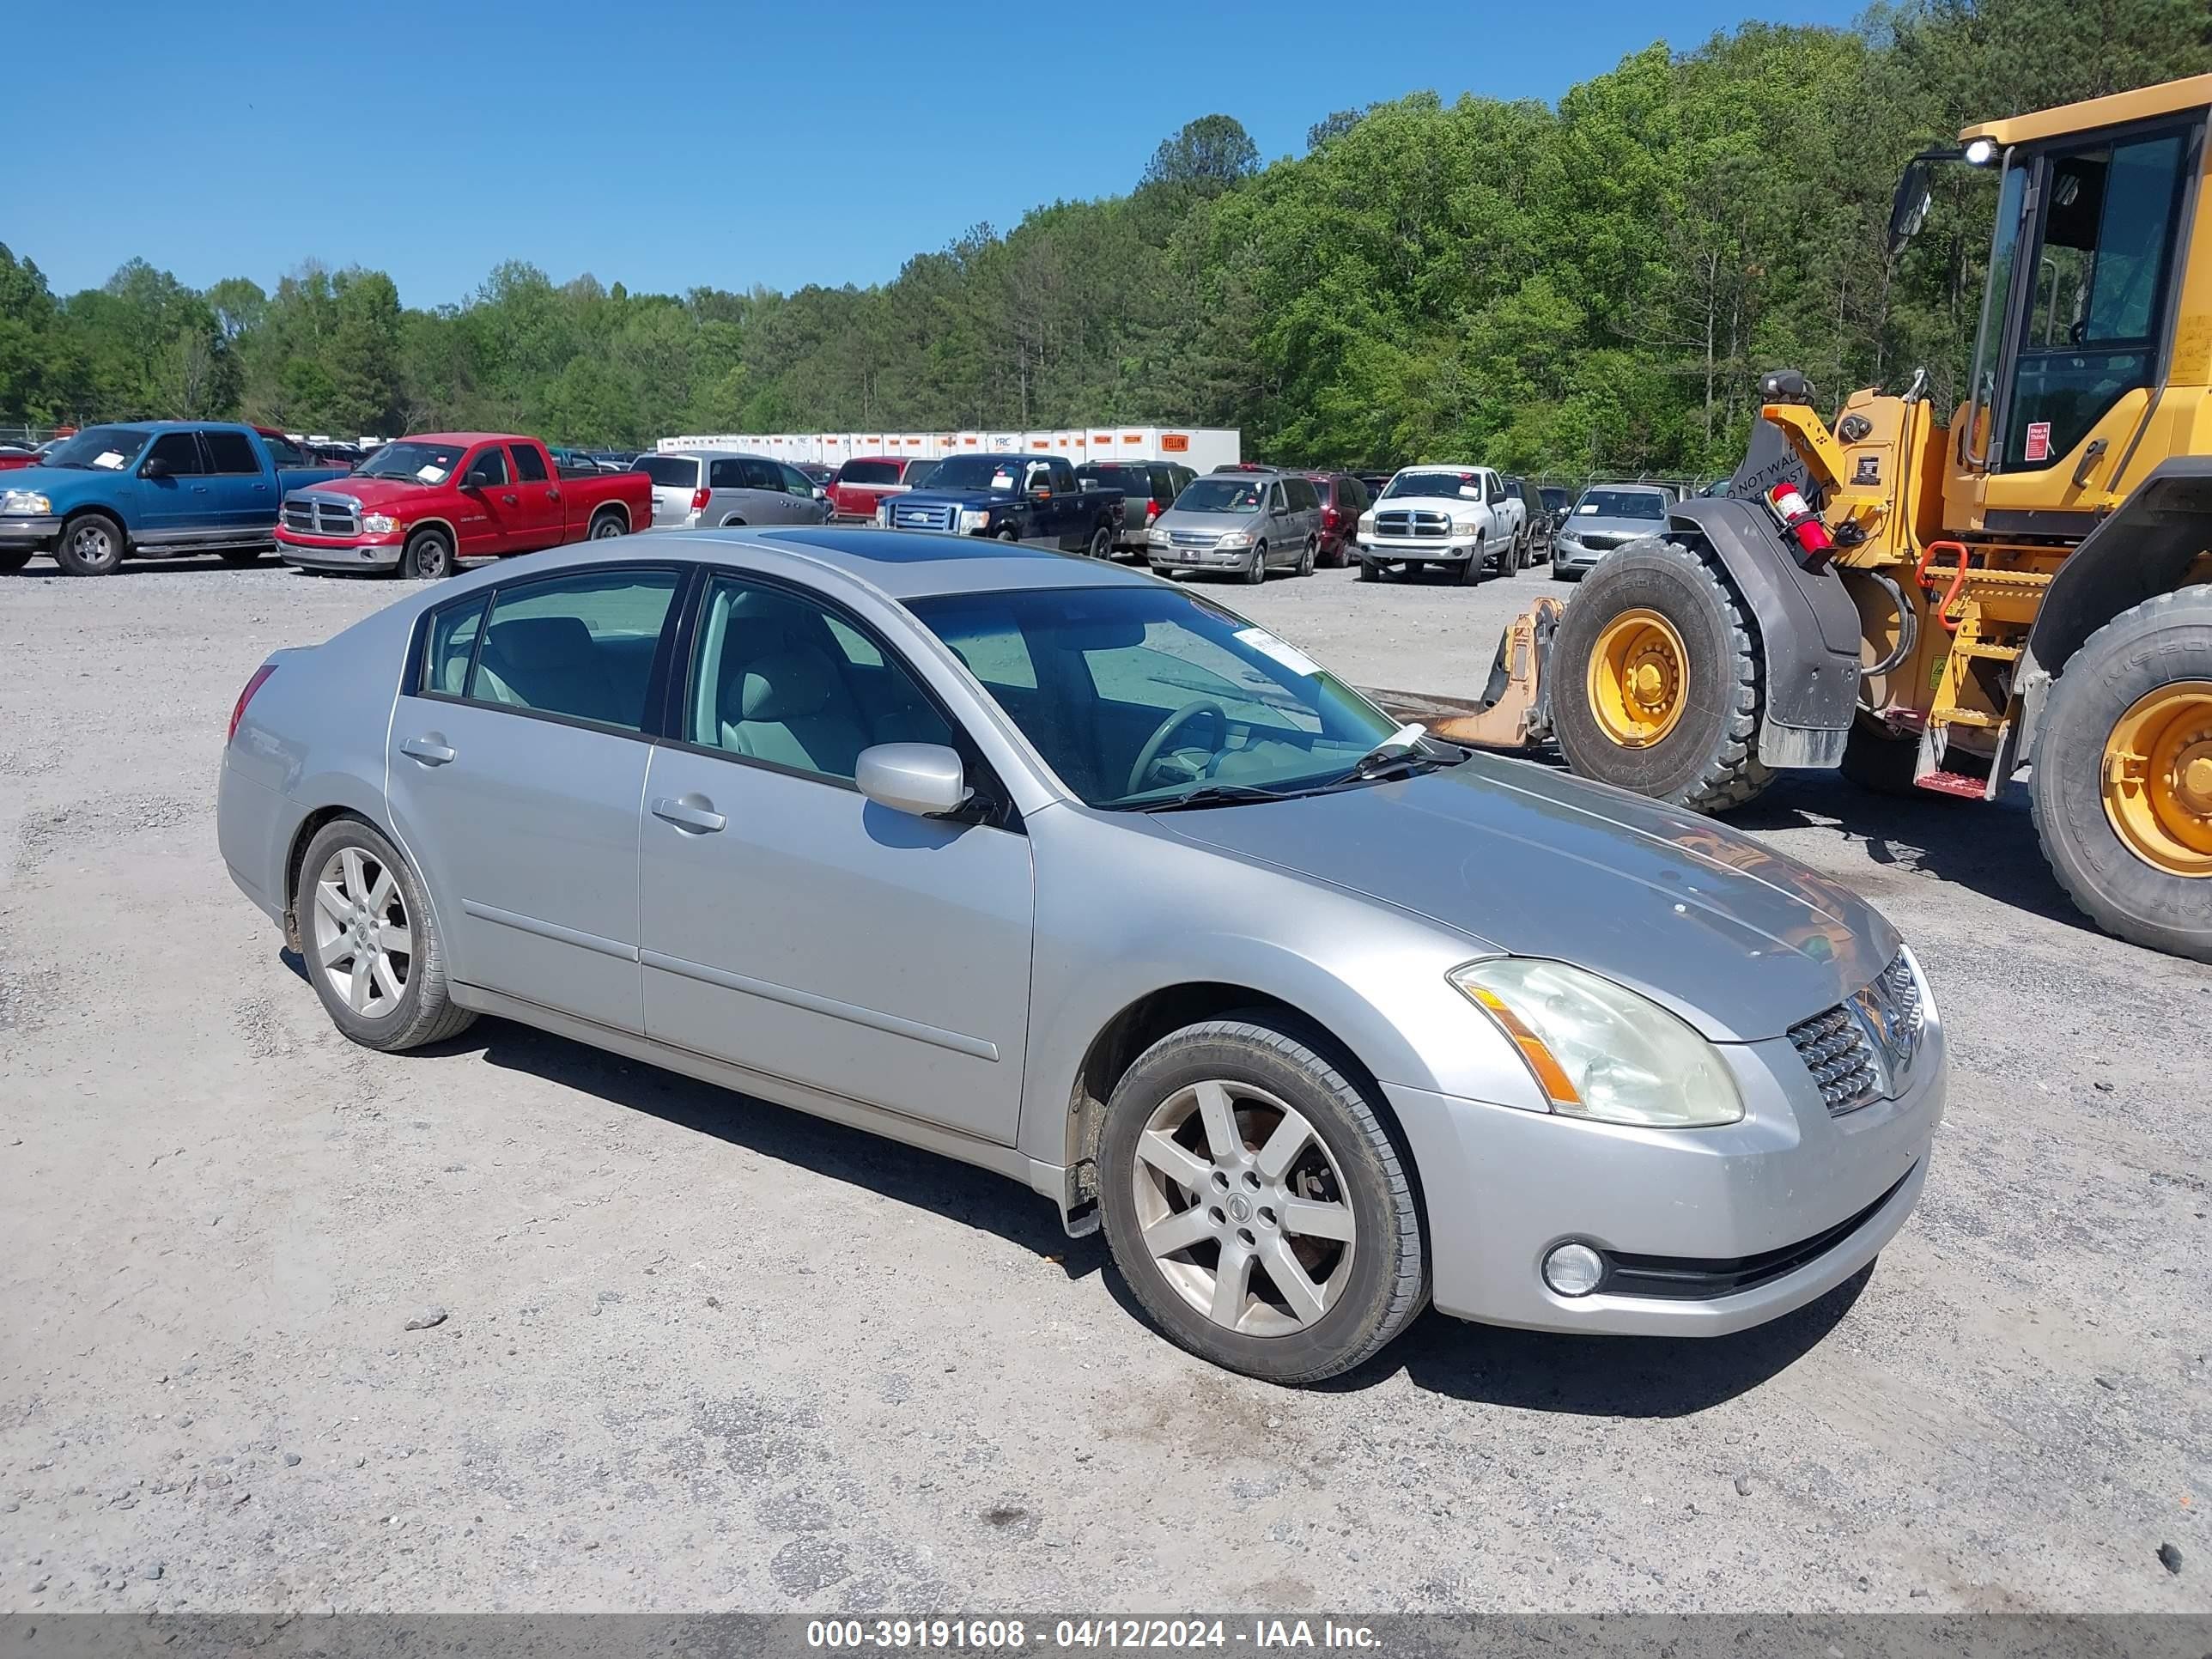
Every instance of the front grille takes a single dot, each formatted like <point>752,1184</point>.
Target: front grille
<point>920,515</point>
<point>321,515</point>
<point>1838,1047</point>
<point>1604,544</point>
<point>1193,538</point>
<point>1413,523</point>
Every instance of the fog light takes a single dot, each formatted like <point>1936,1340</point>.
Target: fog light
<point>1574,1269</point>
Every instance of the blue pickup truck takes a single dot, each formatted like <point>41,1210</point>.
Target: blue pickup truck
<point>155,490</point>
<point>1014,498</point>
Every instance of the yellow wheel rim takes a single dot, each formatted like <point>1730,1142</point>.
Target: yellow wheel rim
<point>2158,778</point>
<point>1636,679</point>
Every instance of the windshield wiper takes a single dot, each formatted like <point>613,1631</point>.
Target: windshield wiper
<point>1398,755</point>
<point>1221,794</point>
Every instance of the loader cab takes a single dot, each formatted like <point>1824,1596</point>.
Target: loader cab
<point>2090,258</point>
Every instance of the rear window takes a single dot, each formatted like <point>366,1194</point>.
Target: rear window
<point>869,472</point>
<point>670,472</point>
<point>1133,479</point>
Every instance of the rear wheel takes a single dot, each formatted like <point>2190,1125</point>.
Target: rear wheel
<point>1657,683</point>
<point>608,525</point>
<point>1306,559</point>
<point>90,545</point>
<point>1256,1202</point>
<point>1102,543</point>
<point>2121,788</point>
<point>427,555</point>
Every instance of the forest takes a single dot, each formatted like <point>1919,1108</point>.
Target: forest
<point>1571,290</point>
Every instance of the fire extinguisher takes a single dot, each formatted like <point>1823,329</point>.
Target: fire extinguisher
<point>1802,523</point>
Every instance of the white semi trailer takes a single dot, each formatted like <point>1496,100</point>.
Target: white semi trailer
<point>1199,447</point>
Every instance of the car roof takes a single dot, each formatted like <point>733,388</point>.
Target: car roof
<point>1649,488</point>
<point>471,438</point>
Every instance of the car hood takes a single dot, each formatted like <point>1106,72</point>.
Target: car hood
<point>372,492</point>
<point>1220,523</point>
<point>56,481</point>
<point>1425,504</point>
<point>1740,942</point>
<point>1604,527</point>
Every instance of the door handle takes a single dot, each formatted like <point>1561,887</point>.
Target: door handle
<point>429,751</point>
<point>552,495</point>
<point>509,499</point>
<point>693,815</point>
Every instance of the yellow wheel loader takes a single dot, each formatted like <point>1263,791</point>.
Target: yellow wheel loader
<point>1937,607</point>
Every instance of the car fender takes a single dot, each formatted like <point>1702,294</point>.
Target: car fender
<point>1806,626</point>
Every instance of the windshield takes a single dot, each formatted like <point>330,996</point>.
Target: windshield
<point>670,472</point>
<point>869,472</point>
<point>975,472</point>
<point>99,449</point>
<point>1621,504</point>
<point>431,464</point>
<point>1434,485</point>
<point>1555,500</point>
<point>1222,495</point>
<point>1140,696</point>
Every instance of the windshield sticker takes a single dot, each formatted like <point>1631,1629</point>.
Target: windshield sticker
<point>110,458</point>
<point>431,474</point>
<point>1588,509</point>
<point>1282,650</point>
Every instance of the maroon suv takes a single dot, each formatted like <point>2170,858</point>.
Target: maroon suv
<point>1343,499</point>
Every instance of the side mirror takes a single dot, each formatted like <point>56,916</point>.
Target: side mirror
<point>1908,208</point>
<point>478,478</point>
<point>923,779</point>
<point>154,468</point>
<point>820,494</point>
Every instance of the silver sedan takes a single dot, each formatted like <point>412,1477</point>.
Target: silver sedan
<point>1075,875</point>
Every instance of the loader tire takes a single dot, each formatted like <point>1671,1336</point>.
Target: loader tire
<point>1657,681</point>
<point>2121,788</point>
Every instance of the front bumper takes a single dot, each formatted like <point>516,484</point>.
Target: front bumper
<point>1707,1231</point>
<point>1197,558</point>
<point>328,553</point>
<point>29,529</point>
<point>1427,549</point>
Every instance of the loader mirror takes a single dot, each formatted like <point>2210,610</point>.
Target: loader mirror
<point>1908,209</point>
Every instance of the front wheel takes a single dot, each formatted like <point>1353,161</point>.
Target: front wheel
<point>14,559</point>
<point>1257,572</point>
<point>1257,1204</point>
<point>1655,684</point>
<point>238,558</point>
<point>1369,571</point>
<point>2121,788</point>
<point>371,948</point>
<point>427,555</point>
<point>90,546</point>
<point>1471,572</point>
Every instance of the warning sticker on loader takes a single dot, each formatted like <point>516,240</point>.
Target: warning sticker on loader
<point>2038,440</point>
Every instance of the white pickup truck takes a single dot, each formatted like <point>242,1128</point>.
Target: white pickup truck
<point>1444,514</point>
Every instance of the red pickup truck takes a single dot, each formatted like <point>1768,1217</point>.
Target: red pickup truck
<point>420,505</point>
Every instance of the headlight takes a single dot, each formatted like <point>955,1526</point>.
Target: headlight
<point>1157,537</point>
<point>1472,521</point>
<point>973,518</point>
<point>1235,538</point>
<point>379,523</point>
<point>1367,524</point>
<point>1600,1051</point>
<point>25,500</point>
<point>883,515</point>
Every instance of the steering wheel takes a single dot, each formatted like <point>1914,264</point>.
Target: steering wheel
<point>1168,727</point>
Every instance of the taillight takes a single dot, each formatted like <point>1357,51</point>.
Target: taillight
<point>1152,511</point>
<point>238,709</point>
<point>1329,517</point>
<point>699,499</point>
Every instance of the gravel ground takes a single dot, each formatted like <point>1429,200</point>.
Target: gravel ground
<point>678,1349</point>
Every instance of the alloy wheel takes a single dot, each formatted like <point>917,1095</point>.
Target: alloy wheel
<point>1243,1208</point>
<point>364,945</point>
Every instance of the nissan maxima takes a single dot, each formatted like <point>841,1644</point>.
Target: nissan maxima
<point>1074,874</point>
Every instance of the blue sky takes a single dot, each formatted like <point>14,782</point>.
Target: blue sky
<point>672,144</point>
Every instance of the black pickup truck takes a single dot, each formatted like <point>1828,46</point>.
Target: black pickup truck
<point>1015,498</point>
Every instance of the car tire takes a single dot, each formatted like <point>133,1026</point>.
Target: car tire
<point>13,559</point>
<point>90,544</point>
<point>1369,571</point>
<point>1693,737</point>
<point>2149,673</point>
<point>427,555</point>
<point>1102,544</point>
<point>341,929</point>
<point>1246,1073</point>
<point>1306,560</point>
<point>1008,534</point>
<point>1257,572</point>
<point>1471,572</point>
<point>238,558</point>
<point>607,524</point>
<point>732,522</point>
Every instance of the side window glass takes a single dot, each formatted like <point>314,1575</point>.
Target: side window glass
<point>488,470</point>
<point>450,646</point>
<point>180,452</point>
<point>796,483</point>
<point>528,467</point>
<point>760,475</point>
<point>283,453</point>
<point>232,453</point>
<point>1276,501</point>
<point>725,475</point>
<point>580,645</point>
<point>778,678</point>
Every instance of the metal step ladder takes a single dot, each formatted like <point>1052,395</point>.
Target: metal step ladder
<point>1987,614</point>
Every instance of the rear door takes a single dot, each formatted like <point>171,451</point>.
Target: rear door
<point>762,496</point>
<point>241,491</point>
<point>537,512</point>
<point>517,762</point>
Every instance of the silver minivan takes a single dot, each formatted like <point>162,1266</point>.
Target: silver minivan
<point>1243,521</point>
<point>694,487</point>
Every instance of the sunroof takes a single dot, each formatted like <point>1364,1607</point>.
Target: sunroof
<point>907,546</point>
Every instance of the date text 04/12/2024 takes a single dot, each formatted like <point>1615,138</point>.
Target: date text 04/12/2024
<point>1009,1634</point>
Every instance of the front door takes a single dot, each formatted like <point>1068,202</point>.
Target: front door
<point>794,927</point>
<point>517,760</point>
<point>176,506</point>
<point>490,521</point>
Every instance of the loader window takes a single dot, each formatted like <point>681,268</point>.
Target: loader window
<point>2097,295</point>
